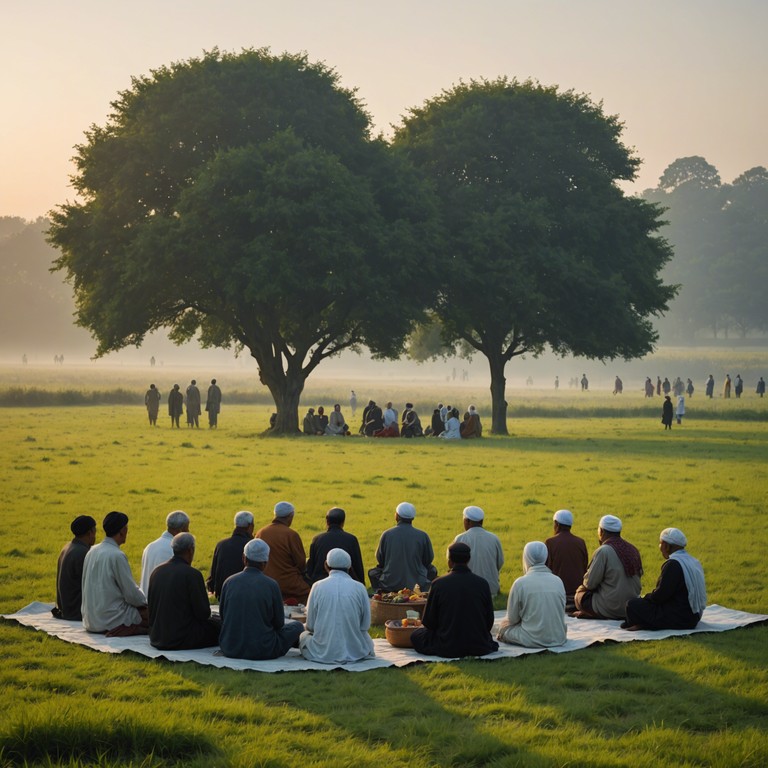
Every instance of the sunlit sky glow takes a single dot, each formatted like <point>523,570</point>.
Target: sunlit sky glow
<point>686,77</point>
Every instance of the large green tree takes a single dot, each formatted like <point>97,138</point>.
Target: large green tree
<point>542,246</point>
<point>241,198</point>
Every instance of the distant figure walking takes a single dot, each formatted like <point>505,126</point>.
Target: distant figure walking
<point>658,385</point>
<point>666,412</point>
<point>618,386</point>
<point>710,390</point>
<point>175,405</point>
<point>727,386</point>
<point>680,410</point>
<point>213,405</point>
<point>760,390</point>
<point>689,388</point>
<point>557,383</point>
<point>193,405</point>
<point>353,403</point>
<point>584,382</point>
<point>152,401</point>
<point>648,387</point>
<point>738,385</point>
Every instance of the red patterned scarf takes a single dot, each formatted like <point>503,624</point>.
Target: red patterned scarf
<point>628,554</point>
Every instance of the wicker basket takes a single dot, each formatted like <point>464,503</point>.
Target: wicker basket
<point>398,636</point>
<point>382,612</point>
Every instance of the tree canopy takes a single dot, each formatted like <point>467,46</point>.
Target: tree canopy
<point>542,247</point>
<point>242,198</point>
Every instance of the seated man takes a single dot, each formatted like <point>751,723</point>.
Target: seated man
<point>404,555</point>
<point>472,426</point>
<point>320,421</point>
<point>390,428</point>
<point>69,570</point>
<point>373,420</point>
<point>111,599</point>
<point>680,596</point>
<point>308,425</point>
<point>335,537</point>
<point>613,576</point>
<point>411,423</point>
<point>536,605</point>
<point>159,551</point>
<point>287,561</point>
<point>336,424</point>
<point>253,624</point>
<point>487,554</point>
<point>179,611</point>
<point>458,616</point>
<point>228,554</point>
<point>452,429</point>
<point>338,616</point>
<point>567,557</point>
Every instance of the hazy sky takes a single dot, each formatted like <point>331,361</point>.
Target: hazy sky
<point>687,77</point>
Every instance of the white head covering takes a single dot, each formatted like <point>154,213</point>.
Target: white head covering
<point>673,536</point>
<point>406,510</point>
<point>534,553</point>
<point>257,551</point>
<point>338,558</point>
<point>243,519</point>
<point>563,516</point>
<point>475,514</point>
<point>284,509</point>
<point>610,523</point>
<point>692,572</point>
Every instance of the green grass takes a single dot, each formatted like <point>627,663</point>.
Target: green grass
<point>694,701</point>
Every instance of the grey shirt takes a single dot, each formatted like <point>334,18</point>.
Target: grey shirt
<point>487,556</point>
<point>404,555</point>
<point>610,585</point>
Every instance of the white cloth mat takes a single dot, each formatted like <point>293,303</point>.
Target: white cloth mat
<point>581,633</point>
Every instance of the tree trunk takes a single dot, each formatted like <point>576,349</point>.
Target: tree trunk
<point>286,389</point>
<point>498,395</point>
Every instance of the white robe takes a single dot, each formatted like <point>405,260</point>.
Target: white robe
<point>155,553</point>
<point>110,595</point>
<point>338,620</point>
<point>452,429</point>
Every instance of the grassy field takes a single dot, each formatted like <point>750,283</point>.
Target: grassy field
<point>694,701</point>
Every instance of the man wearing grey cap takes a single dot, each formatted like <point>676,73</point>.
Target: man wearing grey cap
<point>253,624</point>
<point>487,554</point>
<point>160,551</point>
<point>69,569</point>
<point>338,616</point>
<point>228,554</point>
<point>335,537</point>
<point>567,556</point>
<point>111,598</point>
<point>404,555</point>
<point>680,596</point>
<point>612,577</point>
<point>287,561</point>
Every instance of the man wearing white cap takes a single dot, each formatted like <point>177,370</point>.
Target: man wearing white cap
<point>287,561</point>
<point>160,550</point>
<point>253,624</point>
<point>567,555</point>
<point>487,554</point>
<point>338,616</point>
<point>680,595</point>
<point>613,576</point>
<point>404,555</point>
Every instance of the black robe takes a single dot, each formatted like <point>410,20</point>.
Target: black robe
<point>179,612</point>
<point>334,538</point>
<point>667,607</point>
<point>227,559</point>
<point>458,617</point>
<point>69,581</point>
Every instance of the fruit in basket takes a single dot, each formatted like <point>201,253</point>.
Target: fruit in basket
<point>410,623</point>
<point>402,596</point>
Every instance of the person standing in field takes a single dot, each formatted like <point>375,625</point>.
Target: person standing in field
<point>666,413</point>
<point>159,551</point>
<point>213,404</point>
<point>175,405</point>
<point>228,554</point>
<point>567,555</point>
<point>680,410</point>
<point>738,386</point>
<point>353,403</point>
<point>584,382</point>
<point>69,569</point>
<point>710,388</point>
<point>689,388</point>
<point>760,389</point>
<point>658,386</point>
<point>727,386</point>
<point>193,405</point>
<point>680,596</point>
<point>618,386</point>
<point>152,402</point>
<point>612,577</point>
<point>487,553</point>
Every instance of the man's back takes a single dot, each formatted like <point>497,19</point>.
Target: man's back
<point>287,560</point>
<point>611,584</point>
<point>334,538</point>
<point>155,553</point>
<point>568,559</point>
<point>487,554</point>
<point>227,559</point>
<point>69,580</point>
<point>405,554</point>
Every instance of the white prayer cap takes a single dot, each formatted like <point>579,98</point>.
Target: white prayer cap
<point>475,514</point>
<point>257,551</point>
<point>284,509</point>
<point>338,558</point>
<point>406,510</point>
<point>673,536</point>
<point>610,523</point>
<point>243,519</point>
<point>534,553</point>
<point>563,516</point>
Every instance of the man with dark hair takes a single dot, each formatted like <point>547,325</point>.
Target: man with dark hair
<point>152,401</point>
<point>69,570</point>
<point>175,405</point>
<point>612,577</point>
<point>567,555</point>
<point>193,405</point>
<point>335,537</point>
<point>458,616</point>
<point>228,554</point>
<point>253,624</point>
<point>213,404</point>
<point>179,611</point>
<point>112,602</point>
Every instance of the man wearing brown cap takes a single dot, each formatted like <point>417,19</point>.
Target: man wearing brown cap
<point>69,570</point>
<point>458,616</point>
<point>112,602</point>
